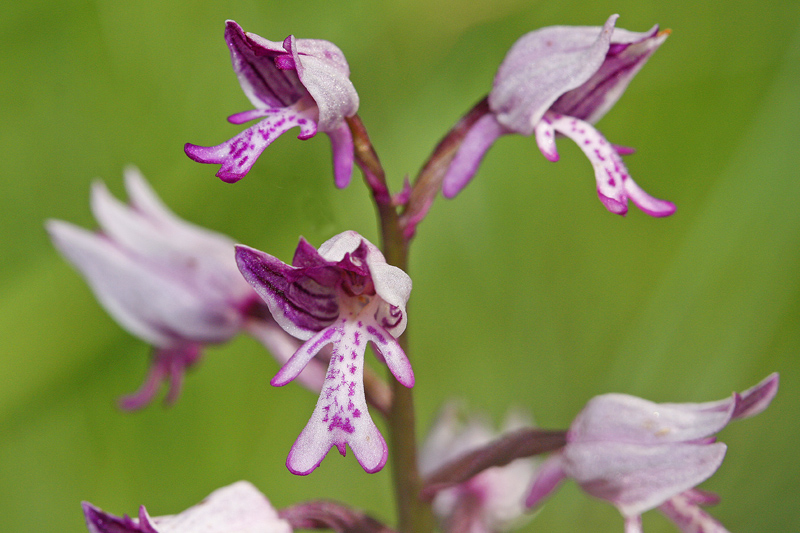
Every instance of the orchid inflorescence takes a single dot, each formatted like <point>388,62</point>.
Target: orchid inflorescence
<point>180,287</point>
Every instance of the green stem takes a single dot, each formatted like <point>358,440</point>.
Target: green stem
<point>414,515</point>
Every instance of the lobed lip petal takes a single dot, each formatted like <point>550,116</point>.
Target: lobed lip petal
<point>636,477</point>
<point>341,416</point>
<point>648,204</point>
<point>393,354</point>
<point>238,154</point>
<point>543,65</point>
<point>546,139</point>
<point>614,183</point>
<point>609,170</point>
<point>282,346</point>
<point>304,354</point>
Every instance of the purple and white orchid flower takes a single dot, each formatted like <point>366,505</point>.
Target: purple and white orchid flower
<point>171,283</point>
<point>239,507</point>
<point>344,294</point>
<point>490,502</point>
<point>301,83</point>
<point>639,455</point>
<point>561,80</point>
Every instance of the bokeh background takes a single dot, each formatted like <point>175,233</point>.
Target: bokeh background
<point>527,293</point>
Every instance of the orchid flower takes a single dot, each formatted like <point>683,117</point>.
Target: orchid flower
<point>297,83</point>
<point>490,502</point>
<point>171,283</point>
<point>239,508</point>
<point>561,80</point>
<point>639,455</point>
<point>344,294</point>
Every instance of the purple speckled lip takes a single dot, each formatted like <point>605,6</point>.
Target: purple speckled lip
<point>295,83</point>
<point>561,80</point>
<point>345,295</point>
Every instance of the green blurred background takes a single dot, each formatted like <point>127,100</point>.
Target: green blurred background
<point>526,291</point>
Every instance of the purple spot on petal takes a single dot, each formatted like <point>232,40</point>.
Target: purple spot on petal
<point>356,413</point>
<point>341,423</point>
<point>355,354</point>
<point>352,391</point>
<point>353,369</point>
<point>378,336</point>
<point>612,182</point>
<point>360,324</point>
<point>356,336</point>
<point>323,340</point>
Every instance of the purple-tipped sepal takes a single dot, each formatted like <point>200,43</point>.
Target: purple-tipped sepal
<point>639,455</point>
<point>344,295</point>
<point>239,507</point>
<point>560,80</point>
<point>302,83</point>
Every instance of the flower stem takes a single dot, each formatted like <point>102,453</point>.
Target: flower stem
<point>414,515</point>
